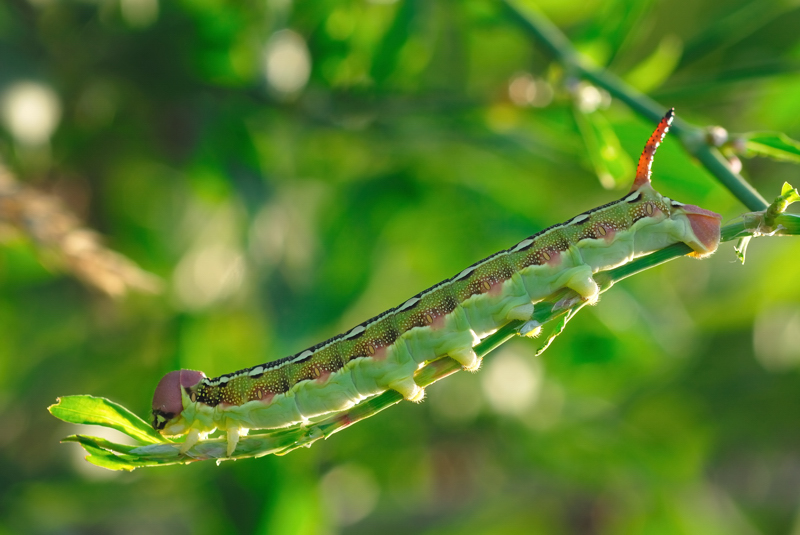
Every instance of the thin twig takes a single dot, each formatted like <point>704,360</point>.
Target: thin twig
<point>57,231</point>
<point>694,138</point>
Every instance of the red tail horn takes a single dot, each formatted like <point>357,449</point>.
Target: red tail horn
<point>646,159</point>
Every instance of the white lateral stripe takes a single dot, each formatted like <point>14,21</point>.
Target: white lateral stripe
<point>408,304</point>
<point>464,273</point>
<point>304,355</point>
<point>355,332</point>
<point>521,245</point>
<point>579,219</point>
<point>256,371</point>
<point>223,379</point>
<point>633,196</point>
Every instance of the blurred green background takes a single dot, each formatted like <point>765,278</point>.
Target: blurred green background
<point>290,169</point>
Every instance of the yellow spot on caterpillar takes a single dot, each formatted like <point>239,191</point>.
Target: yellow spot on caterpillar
<point>193,397</point>
<point>371,350</point>
<point>545,255</point>
<point>315,371</point>
<point>486,286</point>
<point>601,230</point>
<point>428,319</point>
<point>649,209</point>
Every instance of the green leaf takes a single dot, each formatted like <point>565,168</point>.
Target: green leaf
<point>611,163</point>
<point>101,411</point>
<point>100,456</point>
<point>790,193</point>
<point>113,447</point>
<point>107,460</point>
<point>788,196</point>
<point>113,456</point>
<point>741,248</point>
<point>658,66</point>
<point>559,328</point>
<point>776,145</point>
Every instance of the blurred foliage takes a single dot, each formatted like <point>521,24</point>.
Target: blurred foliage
<point>774,145</point>
<point>290,169</point>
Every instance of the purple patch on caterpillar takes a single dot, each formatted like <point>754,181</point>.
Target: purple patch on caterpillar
<point>706,227</point>
<point>167,398</point>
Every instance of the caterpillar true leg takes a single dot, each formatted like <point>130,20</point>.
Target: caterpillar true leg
<point>233,439</point>
<point>194,436</point>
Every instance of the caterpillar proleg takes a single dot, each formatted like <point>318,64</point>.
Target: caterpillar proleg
<point>449,318</point>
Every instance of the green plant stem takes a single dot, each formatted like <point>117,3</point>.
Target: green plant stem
<point>562,305</point>
<point>693,137</point>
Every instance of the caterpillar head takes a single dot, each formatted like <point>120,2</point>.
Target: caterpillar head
<point>705,228</point>
<point>168,399</point>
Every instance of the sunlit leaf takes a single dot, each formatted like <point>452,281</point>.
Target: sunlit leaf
<point>776,145</point>
<point>611,163</point>
<point>658,66</point>
<point>101,411</point>
<point>790,193</point>
<point>741,248</point>
<point>101,453</point>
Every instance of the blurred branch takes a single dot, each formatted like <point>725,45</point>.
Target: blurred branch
<point>561,306</point>
<point>56,230</point>
<point>694,138</point>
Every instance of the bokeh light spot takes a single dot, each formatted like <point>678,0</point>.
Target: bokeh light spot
<point>139,13</point>
<point>349,493</point>
<point>776,337</point>
<point>207,275</point>
<point>30,111</point>
<point>511,382</point>
<point>287,62</point>
<point>456,400</point>
<point>525,90</point>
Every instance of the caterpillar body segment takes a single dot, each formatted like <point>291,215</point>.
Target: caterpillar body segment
<point>449,318</point>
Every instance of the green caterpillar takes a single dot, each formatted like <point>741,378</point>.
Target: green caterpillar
<point>449,318</point>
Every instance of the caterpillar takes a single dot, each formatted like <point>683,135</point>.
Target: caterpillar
<point>449,318</point>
